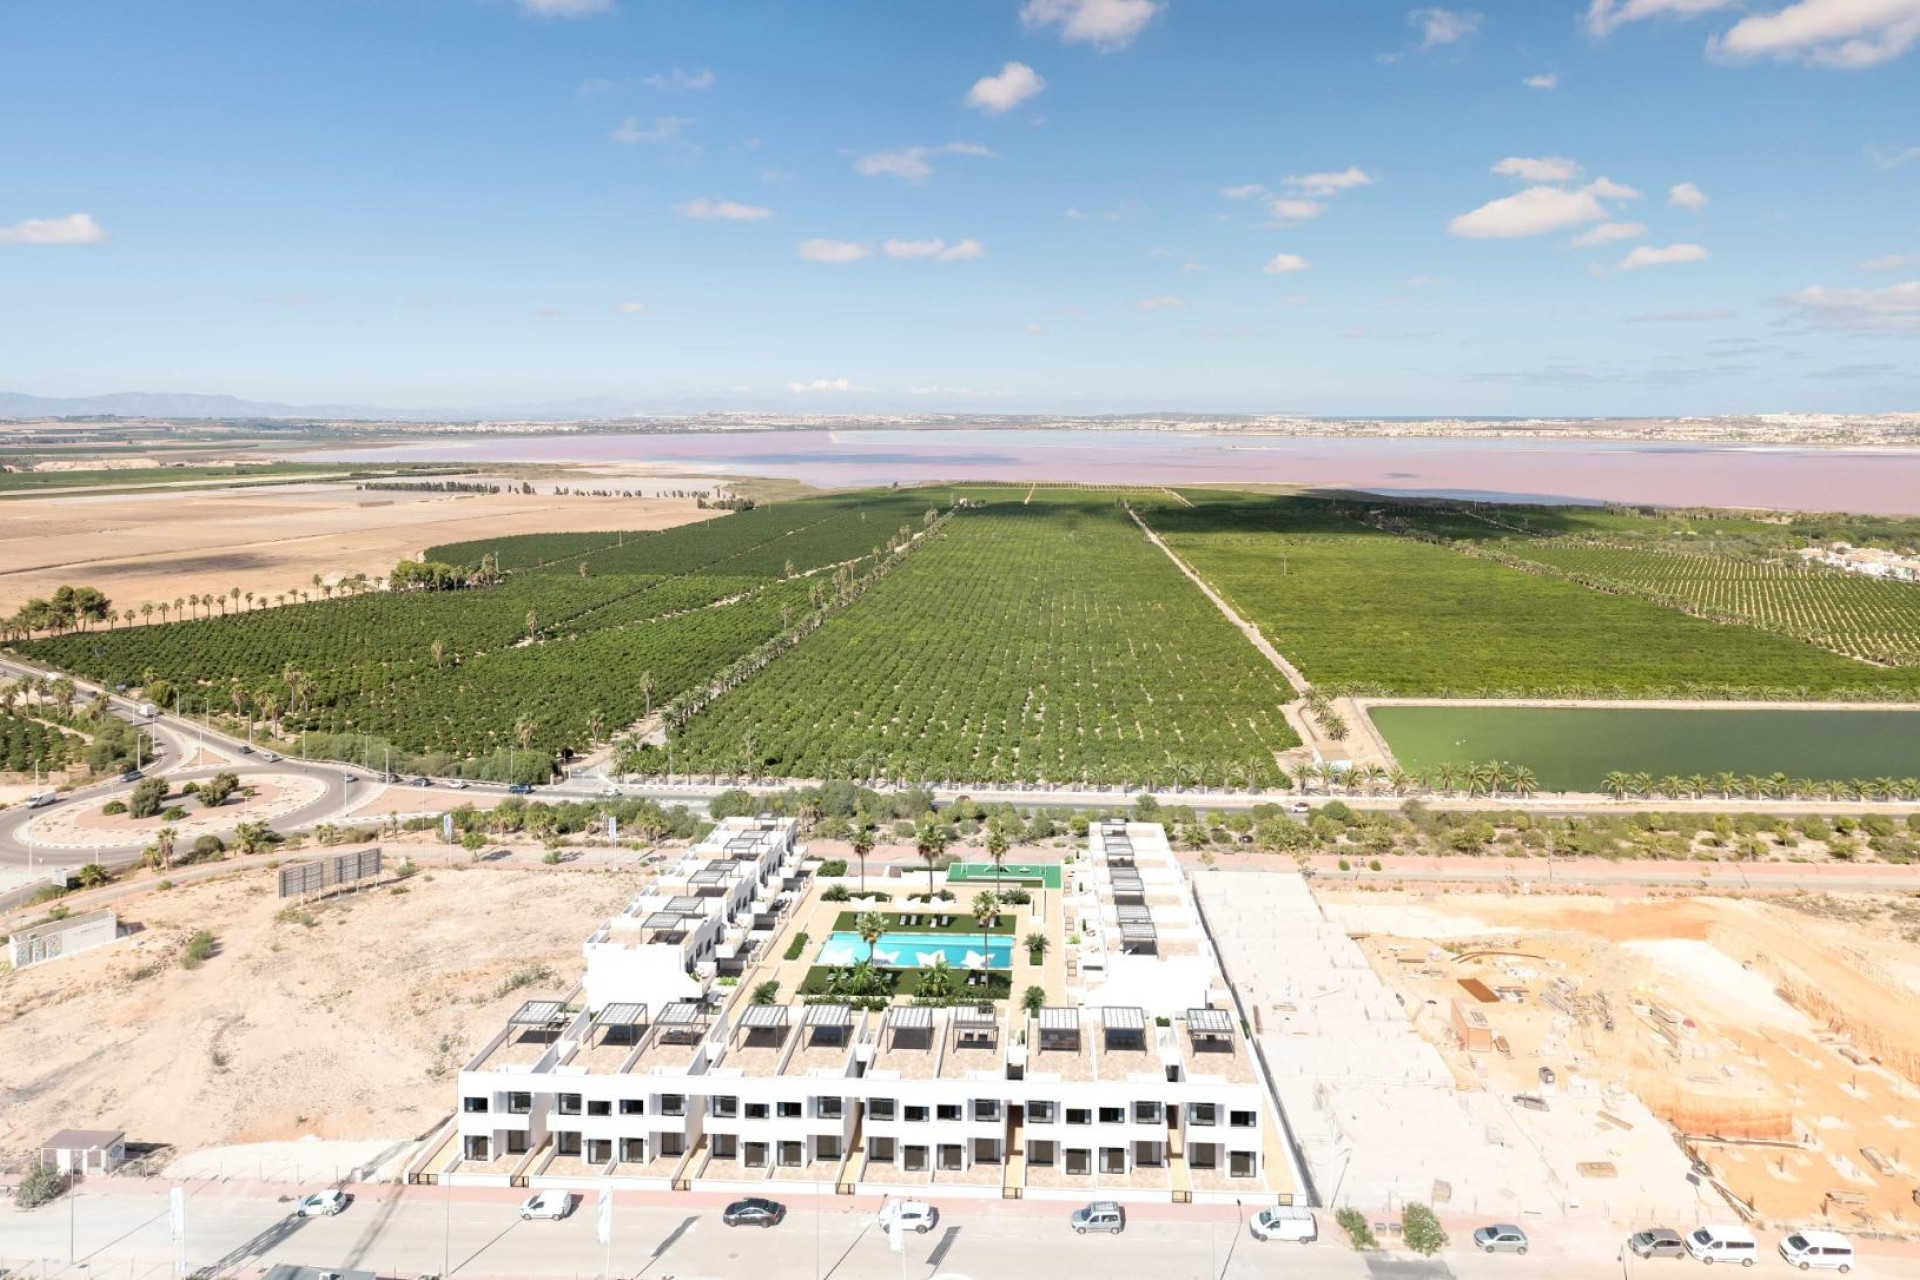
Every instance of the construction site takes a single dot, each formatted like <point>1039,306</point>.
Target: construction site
<point>1766,1047</point>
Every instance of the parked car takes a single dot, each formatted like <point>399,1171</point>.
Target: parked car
<point>1723,1244</point>
<point>1101,1215</point>
<point>519,789</point>
<point>1299,806</point>
<point>1827,1250</point>
<point>1501,1237</point>
<point>547,1204</point>
<point>1657,1242</point>
<point>609,790</point>
<point>391,777</point>
<point>423,781</point>
<point>322,1204</point>
<point>914,1215</point>
<point>1285,1223</point>
<point>754,1211</point>
<point>132,775</point>
<point>458,784</point>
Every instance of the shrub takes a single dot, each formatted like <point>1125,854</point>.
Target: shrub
<point>199,950</point>
<point>1354,1223</point>
<point>767,992</point>
<point>796,946</point>
<point>1422,1230</point>
<point>216,790</point>
<point>42,1183</point>
<point>834,867</point>
<point>147,797</point>
<point>1345,865</point>
<point>526,976</point>
<point>835,893</point>
<point>113,807</point>
<point>1034,999</point>
<point>406,870</point>
<point>551,857</point>
<point>174,813</point>
<point>208,846</point>
<point>1016,897</point>
<point>1036,943</point>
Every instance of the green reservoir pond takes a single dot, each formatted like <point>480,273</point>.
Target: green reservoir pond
<point>1574,748</point>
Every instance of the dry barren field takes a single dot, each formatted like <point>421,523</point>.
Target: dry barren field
<point>346,1023</point>
<point>149,547</point>
<point>1776,1036</point>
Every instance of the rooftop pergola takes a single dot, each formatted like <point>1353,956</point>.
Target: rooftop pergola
<point>539,1013</point>
<point>684,1020</point>
<point>1124,1023</point>
<point>619,1023</point>
<point>916,1019</point>
<point>770,1019</point>
<point>1138,935</point>
<point>743,846</point>
<point>1210,1028</point>
<point>711,876</point>
<point>829,1021</point>
<point>1127,883</point>
<point>976,1025</point>
<point>664,922</point>
<point>686,904</point>
<point>1059,1027</point>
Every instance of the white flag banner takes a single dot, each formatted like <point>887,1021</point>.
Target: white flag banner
<point>613,830</point>
<point>896,1230</point>
<point>603,1231</point>
<point>177,1213</point>
<point>446,827</point>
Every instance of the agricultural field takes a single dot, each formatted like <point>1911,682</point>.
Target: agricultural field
<point>26,744</point>
<point>1359,608</point>
<point>1866,618</point>
<point>1037,642</point>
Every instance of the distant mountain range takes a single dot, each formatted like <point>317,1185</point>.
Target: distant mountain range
<point>169,404</point>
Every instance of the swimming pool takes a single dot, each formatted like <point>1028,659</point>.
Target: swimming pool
<point>916,950</point>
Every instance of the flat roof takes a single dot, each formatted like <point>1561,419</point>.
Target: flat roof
<point>622,1014</point>
<point>538,1013</point>
<point>83,1139</point>
<point>1209,1021</point>
<point>52,927</point>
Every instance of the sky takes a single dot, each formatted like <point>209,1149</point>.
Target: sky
<point>1543,207</point>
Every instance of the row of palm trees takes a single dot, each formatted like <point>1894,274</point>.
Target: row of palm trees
<point>1777,786</point>
<point>1488,777</point>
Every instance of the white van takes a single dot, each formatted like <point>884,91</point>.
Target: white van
<point>1284,1222</point>
<point>1828,1250</point>
<point>41,799</point>
<point>1723,1244</point>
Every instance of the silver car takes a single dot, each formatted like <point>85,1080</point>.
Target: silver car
<point>1501,1237</point>
<point>1101,1215</point>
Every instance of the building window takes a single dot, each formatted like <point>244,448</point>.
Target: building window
<point>792,1155</point>
<point>951,1157</point>
<point>827,1148</point>
<point>1242,1119</point>
<point>1079,1115</point>
<point>673,1104</point>
<point>473,1104</point>
<point>913,1159</point>
<point>1204,1155</point>
<point>633,1150</point>
<point>829,1108</point>
<point>1240,1164</point>
<point>1146,1113</point>
<point>1113,1159</point>
<point>916,1115</point>
<point>756,1157</point>
<point>1146,1155</point>
<point>1040,1152</point>
<point>599,1107</point>
<point>516,1142</point>
<point>569,1104</point>
<point>566,1143</point>
<point>476,1147</point>
<point>948,1111</point>
<point>673,1144</point>
<point>724,1107</point>
<point>788,1110</point>
<point>880,1150</point>
<point>1113,1115</point>
<point>986,1109</point>
<point>1203,1113</point>
<point>1079,1161</point>
<point>724,1145</point>
<point>519,1104</point>
<point>1040,1112</point>
<point>881,1108</point>
<point>758,1111</point>
<point>633,1106</point>
<point>599,1150</point>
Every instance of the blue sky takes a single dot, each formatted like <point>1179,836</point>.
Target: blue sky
<point>1055,206</point>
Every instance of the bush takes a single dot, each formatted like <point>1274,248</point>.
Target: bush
<point>1034,999</point>
<point>174,813</point>
<point>1354,1223</point>
<point>527,976</point>
<point>42,1183</point>
<point>147,797</point>
<point>216,790</point>
<point>767,992</point>
<point>208,846</point>
<point>199,950</point>
<point>834,867</point>
<point>1016,897</point>
<point>112,807</point>
<point>1422,1231</point>
<point>835,893</point>
<point>796,946</point>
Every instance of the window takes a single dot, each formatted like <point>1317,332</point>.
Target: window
<point>473,1104</point>
<point>519,1103</point>
<point>1040,1152</point>
<point>517,1142</point>
<point>986,1109</point>
<point>476,1146</point>
<point>673,1104</point>
<point>948,1111</point>
<point>1041,1112</point>
<point>633,1106</point>
<point>1240,1164</point>
<point>724,1107</point>
<point>1146,1113</point>
<point>1204,1155</point>
<point>829,1108</point>
<point>758,1111</point>
<point>917,1115</point>
<point>599,1107</point>
<point>1079,1115</point>
<point>792,1154</point>
<point>914,1159</point>
<point>881,1109</point>
<point>1079,1160</point>
<point>566,1143</point>
<point>1203,1113</point>
<point>634,1150</point>
<point>880,1150</point>
<point>827,1148</point>
<point>788,1110</point>
<point>724,1145</point>
<point>950,1157</point>
<point>756,1157</point>
<point>1113,1159</point>
<point>1242,1119</point>
<point>569,1104</point>
<point>1146,1154</point>
<point>1113,1115</point>
<point>673,1144</point>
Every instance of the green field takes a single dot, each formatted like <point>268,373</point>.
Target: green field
<point>1356,607</point>
<point>1016,873</point>
<point>1041,642</point>
<point>27,483</point>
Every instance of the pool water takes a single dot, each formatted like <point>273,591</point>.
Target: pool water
<point>916,950</point>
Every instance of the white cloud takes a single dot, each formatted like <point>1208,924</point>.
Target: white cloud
<point>1443,26</point>
<point>1604,16</point>
<point>1036,328</point>
<point>1107,25</point>
<point>1015,83</point>
<point>1542,169</point>
<point>1891,157</point>
<point>1608,233</point>
<point>659,132</point>
<point>821,384</point>
<point>1832,33</point>
<point>1889,262</point>
<point>75,228</point>
<point>1326,184</point>
<point>1684,195</point>
<point>1648,256</point>
<point>630,308</point>
<point>1167,302</point>
<point>1294,209</point>
<point>1284,264</point>
<point>934,248</point>
<point>677,80</point>
<point>595,85</point>
<point>1545,80</point>
<point>1245,191</point>
<point>1420,282</point>
<point>565,8</point>
<point>1896,307</point>
<point>1532,212</point>
<point>915,163</point>
<point>722,210</point>
<point>1683,317</point>
<point>820,249</point>
<point>1608,189</point>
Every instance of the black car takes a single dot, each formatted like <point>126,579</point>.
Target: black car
<point>422,782</point>
<point>132,775</point>
<point>244,749</point>
<point>754,1212</point>
<point>519,789</point>
<point>1659,1242</point>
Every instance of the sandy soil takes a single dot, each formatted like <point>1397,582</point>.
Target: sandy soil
<point>1777,1035</point>
<point>350,1027</point>
<point>163,546</point>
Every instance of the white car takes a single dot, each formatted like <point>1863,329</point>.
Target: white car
<point>1827,1250</point>
<point>458,784</point>
<point>1283,1223</point>
<point>322,1204</point>
<point>914,1215</point>
<point>271,757</point>
<point>547,1204</point>
<point>1299,806</point>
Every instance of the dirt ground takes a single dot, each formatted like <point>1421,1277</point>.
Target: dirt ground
<point>149,547</point>
<point>1777,1036</point>
<point>346,1023</point>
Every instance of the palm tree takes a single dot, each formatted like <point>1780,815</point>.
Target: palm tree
<point>146,613</point>
<point>1444,775</point>
<point>930,839</point>
<point>1303,776</point>
<point>986,912</point>
<point>871,926</point>
<point>1726,784</point>
<point>862,846</point>
<point>1672,786</point>
<point>1617,784</point>
<point>997,852</point>
<point>163,846</point>
<point>936,984</point>
<point>1521,779</point>
<point>646,689</point>
<point>1642,784</point>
